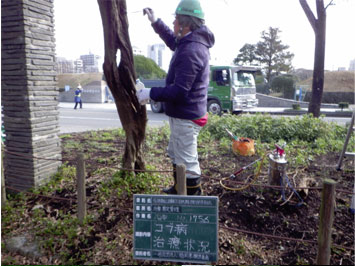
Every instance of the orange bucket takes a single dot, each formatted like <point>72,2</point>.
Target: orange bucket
<point>244,147</point>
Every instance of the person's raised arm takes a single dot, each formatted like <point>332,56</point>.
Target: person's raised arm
<point>165,33</point>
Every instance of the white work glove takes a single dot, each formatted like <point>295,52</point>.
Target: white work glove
<point>143,96</point>
<point>150,14</point>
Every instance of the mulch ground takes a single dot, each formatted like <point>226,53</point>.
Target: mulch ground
<point>255,209</point>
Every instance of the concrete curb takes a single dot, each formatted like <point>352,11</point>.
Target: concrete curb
<point>286,112</point>
<point>271,110</point>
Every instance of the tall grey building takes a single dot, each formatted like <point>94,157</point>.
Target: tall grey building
<point>78,66</point>
<point>64,66</point>
<point>159,55</point>
<point>90,62</point>
<point>352,65</point>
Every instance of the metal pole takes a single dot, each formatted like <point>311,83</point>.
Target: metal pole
<point>346,141</point>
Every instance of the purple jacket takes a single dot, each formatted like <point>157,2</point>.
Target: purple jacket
<point>185,94</point>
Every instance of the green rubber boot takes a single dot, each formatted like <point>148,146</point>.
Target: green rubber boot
<point>193,186</point>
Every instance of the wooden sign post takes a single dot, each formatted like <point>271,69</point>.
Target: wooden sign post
<point>80,176</point>
<point>326,218</point>
<point>181,179</point>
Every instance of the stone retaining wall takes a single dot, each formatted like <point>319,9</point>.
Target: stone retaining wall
<point>29,93</point>
<point>334,97</point>
<point>94,92</point>
<point>270,101</point>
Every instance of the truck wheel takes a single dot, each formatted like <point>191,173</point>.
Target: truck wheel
<point>157,107</point>
<point>214,107</point>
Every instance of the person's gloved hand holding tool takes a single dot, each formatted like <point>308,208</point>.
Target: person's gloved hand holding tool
<point>142,93</point>
<point>143,96</point>
<point>150,14</point>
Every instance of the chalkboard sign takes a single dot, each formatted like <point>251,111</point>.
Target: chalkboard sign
<point>175,228</point>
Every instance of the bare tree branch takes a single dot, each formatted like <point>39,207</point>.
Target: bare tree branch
<point>330,4</point>
<point>307,10</point>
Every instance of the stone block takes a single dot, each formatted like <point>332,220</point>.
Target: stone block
<point>36,7</point>
<point>13,72</point>
<point>15,28</point>
<point>12,80</point>
<point>12,67</point>
<point>44,73</point>
<point>30,14</point>
<point>48,3</point>
<point>15,60</point>
<point>42,62</point>
<point>40,78</point>
<point>38,67</point>
<point>39,36</point>
<point>49,31</point>
<point>29,93</point>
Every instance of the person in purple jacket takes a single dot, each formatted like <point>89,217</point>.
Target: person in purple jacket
<point>185,94</point>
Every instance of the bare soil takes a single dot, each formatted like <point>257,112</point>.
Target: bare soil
<point>256,209</point>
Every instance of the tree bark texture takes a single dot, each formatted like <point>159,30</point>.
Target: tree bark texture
<point>121,80</point>
<point>319,27</point>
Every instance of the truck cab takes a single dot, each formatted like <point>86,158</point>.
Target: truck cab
<point>231,88</point>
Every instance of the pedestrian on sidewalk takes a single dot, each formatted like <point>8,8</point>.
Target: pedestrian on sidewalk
<point>77,99</point>
<point>185,94</point>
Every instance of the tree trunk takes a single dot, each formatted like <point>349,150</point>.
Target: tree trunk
<point>319,27</point>
<point>121,80</point>
<point>318,74</point>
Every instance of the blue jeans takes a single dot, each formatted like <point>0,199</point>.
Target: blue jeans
<point>182,148</point>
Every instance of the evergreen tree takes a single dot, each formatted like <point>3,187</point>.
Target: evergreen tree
<point>247,55</point>
<point>146,68</point>
<point>269,53</point>
<point>272,54</point>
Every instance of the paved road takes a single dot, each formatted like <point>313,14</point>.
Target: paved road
<point>96,117</point>
<point>105,116</point>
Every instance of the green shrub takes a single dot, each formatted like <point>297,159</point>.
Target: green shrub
<point>128,183</point>
<point>305,135</point>
<point>271,130</point>
<point>343,105</point>
<point>284,84</point>
<point>296,106</point>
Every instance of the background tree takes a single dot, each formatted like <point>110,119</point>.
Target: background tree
<point>284,84</point>
<point>247,55</point>
<point>319,28</point>
<point>121,79</point>
<point>272,54</point>
<point>146,68</point>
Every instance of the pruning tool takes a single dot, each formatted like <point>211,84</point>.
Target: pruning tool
<point>144,11</point>
<point>243,168</point>
<point>231,135</point>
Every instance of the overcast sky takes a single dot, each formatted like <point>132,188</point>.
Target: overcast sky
<point>234,23</point>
